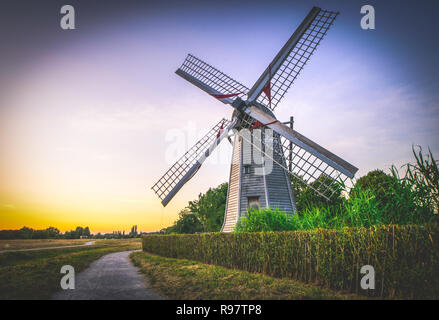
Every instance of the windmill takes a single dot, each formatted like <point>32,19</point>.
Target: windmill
<point>286,155</point>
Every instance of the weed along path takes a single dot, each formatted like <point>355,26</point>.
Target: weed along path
<point>111,277</point>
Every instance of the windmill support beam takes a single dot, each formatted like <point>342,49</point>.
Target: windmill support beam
<point>202,86</point>
<point>260,84</point>
<point>181,183</point>
<point>290,155</point>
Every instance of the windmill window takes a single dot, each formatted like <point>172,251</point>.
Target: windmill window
<point>246,169</point>
<point>253,202</point>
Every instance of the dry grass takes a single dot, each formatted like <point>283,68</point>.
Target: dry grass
<point>38,243</point>
<point>185,279</point>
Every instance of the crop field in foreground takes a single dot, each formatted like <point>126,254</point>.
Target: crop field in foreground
<point>36,274</point>
<point>185,279</point>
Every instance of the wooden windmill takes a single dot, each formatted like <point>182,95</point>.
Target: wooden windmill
<point>286,156</point>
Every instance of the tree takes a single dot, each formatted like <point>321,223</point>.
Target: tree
<point>203,215</point>
<point>26,233</point>
<point>396,197</point>
<point>210,208</point>
<point>380,183</point>
<point>187,223</point>
<point>53,232</point>
<point>86,232</point>
<point>78,232</point>
<point>260,220</point>
<point>133,232</point>
<point>306,197</point>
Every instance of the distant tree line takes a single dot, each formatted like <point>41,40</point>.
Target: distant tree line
<point>119,234</point>
<point>54,233</point>
<point>49,233</point>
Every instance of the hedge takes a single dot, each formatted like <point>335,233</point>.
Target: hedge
<point>405,258</point>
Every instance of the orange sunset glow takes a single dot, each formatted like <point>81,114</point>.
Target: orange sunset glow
<point>91,118</point>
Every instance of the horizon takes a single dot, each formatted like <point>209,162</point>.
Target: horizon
<point>90,118</point>
<point>91,231</point>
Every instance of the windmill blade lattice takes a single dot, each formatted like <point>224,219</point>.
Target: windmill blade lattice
<point>283,78</point>
<point>212,77</point>
<point>306,168</point>
<point>179,169</point>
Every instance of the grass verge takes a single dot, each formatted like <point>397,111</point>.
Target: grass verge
<point>36,274</point>
<point>185,279</point>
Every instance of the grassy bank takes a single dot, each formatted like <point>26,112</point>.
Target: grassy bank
<point>185,279</point>
<point>36,274</point>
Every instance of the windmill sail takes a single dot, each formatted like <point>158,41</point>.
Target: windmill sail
<point>311,163</point>
<point>286,66</point>
<point>186,167</point>
<point>303,142</point>
<point>211,80</point>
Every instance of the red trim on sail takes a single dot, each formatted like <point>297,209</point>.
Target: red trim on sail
<point>220,130</point>
<point>256,125</point>
<point>267,91</point>
<point>223,96</point>
<point>267,88</point>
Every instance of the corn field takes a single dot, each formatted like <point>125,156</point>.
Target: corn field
<point>405,258</point>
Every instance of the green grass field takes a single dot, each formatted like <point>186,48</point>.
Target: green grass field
<point>185,279</point>
<point>36,274</point>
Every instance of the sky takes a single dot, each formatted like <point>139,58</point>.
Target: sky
<point>90,118</point>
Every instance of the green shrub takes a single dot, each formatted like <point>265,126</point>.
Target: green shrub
<point>395,198</point>
<point>257,220</point>
<point>362,209</point>
<point>377,198</point>
<point>405,258</point>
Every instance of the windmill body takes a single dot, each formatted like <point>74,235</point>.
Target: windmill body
<point>248,188</point>
<point>267,154</point>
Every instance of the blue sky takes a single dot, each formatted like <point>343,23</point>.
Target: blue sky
<point>88,116</point>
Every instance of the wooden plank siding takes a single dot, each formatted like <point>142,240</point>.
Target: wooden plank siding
<point>232,204</point>
<point>279,185</point>
<point>252,183</point>
<point>272,188</point>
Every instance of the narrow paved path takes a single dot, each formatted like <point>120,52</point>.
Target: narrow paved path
<point>112,277</point>
<point>88,243</point>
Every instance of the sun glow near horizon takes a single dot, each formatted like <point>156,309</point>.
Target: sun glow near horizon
<point>85,122</point>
